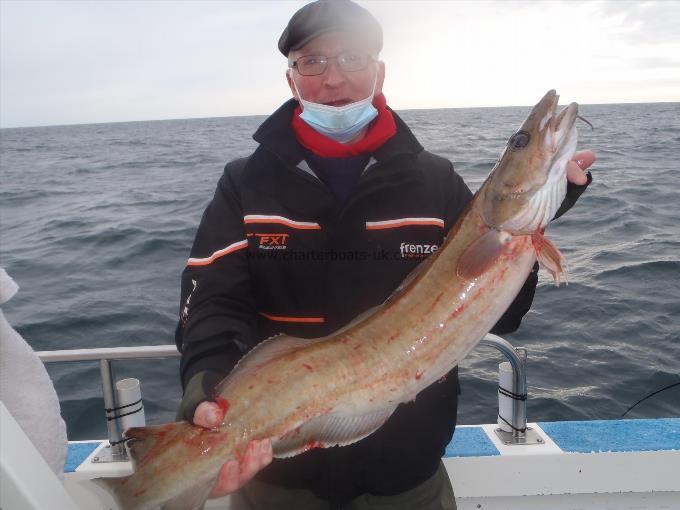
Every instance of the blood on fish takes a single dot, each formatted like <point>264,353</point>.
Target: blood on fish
<point>456,312</point>
<point>308,367</point>
<point>314,444</point>
<point>203,441</point>
<point>223,403</point>
<point>392,337</point>
<point>419,375</point>
<point>439,296</point>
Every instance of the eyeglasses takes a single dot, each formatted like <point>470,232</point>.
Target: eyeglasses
<point>348,61</point>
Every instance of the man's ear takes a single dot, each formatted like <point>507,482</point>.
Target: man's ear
<point>381,78</point>
<point>289,78</point>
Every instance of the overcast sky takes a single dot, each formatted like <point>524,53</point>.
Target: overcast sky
<point>65,62</point>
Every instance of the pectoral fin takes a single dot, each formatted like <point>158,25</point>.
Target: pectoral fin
<point>549,256</point>
<point>482,254</point>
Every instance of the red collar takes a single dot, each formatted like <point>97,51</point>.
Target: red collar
<point>379,131</point>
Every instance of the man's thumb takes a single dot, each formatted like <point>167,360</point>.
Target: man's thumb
<point>214,415</point>
<point>208,414</point>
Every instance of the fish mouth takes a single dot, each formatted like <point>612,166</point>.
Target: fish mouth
<point>561,140</point>
<point>560,128</point>
<point>539,187</point>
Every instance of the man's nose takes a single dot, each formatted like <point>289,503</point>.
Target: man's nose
<point>334,76</point>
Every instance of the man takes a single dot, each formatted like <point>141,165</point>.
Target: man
<point>331,162</point>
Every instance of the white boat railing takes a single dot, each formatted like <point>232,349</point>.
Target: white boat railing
<point>110,353</point>
<point>518,422</point>
<point>116,450</point>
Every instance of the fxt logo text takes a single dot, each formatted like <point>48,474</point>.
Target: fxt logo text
<point>272,241</point>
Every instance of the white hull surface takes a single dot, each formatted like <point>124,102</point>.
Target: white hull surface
<point>620,464</point>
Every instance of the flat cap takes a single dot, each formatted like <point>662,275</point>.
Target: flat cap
<point>324,16</point>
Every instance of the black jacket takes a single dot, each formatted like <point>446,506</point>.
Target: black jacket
<point>275,252</point>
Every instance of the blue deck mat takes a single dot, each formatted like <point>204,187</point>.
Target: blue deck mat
<point>615,435</point>
<point>470,442</point>
<point>77,453</point>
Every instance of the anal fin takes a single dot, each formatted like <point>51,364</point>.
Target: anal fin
<point>333,429</point>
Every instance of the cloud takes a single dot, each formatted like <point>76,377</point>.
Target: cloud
<point>651,22</point>
<point>78,62</point>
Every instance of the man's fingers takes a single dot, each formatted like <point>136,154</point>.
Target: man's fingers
<point>584,159</point>
<point>575,174</point>
<point>208,415</point>
<point>268,453</point>
<point>233,475</point>
<point>258,455</point>
<point>580,162</point>
<point>227,480</point>
<point>251,462</point>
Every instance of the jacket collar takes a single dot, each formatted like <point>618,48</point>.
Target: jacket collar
<point>276,136</point>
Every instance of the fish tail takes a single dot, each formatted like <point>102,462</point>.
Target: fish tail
<point>111,485</point>
<point>142,440</point>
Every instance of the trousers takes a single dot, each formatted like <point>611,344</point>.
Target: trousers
<point>435,493</point>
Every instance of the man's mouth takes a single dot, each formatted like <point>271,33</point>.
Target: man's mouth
<point>338,102</point>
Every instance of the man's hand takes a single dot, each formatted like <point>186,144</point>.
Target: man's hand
<point>577,166</point>
<point>233,475</point>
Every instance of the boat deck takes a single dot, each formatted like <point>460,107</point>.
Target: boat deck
<point>620,464</point>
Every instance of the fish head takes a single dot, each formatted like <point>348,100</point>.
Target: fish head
<point>529,182</point>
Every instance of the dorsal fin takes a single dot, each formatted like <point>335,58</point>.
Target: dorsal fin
<point>272,348</point>
<point>403,287</point>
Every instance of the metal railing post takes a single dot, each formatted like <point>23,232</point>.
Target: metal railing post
<point>521,434</point>
<point>116,445</point>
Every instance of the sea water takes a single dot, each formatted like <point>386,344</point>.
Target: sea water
<point>97,222</point>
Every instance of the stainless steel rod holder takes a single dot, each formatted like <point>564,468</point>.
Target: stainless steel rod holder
<point>517,359</point>
<point>116,446</point>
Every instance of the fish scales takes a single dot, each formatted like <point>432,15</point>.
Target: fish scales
<point>338,389</point>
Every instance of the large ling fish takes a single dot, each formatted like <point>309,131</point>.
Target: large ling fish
<point>338,389</point>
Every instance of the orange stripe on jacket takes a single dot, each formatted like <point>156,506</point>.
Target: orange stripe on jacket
<point>403,222</point>
<point>279,318</point>
<point>263,218</point>
<point>219,253</point>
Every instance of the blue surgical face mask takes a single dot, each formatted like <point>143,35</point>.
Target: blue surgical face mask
<point>340,123</point>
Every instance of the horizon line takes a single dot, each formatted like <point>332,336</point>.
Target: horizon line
<point>267,114</point>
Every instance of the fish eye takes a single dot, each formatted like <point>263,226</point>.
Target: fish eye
<point>519,140</point>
